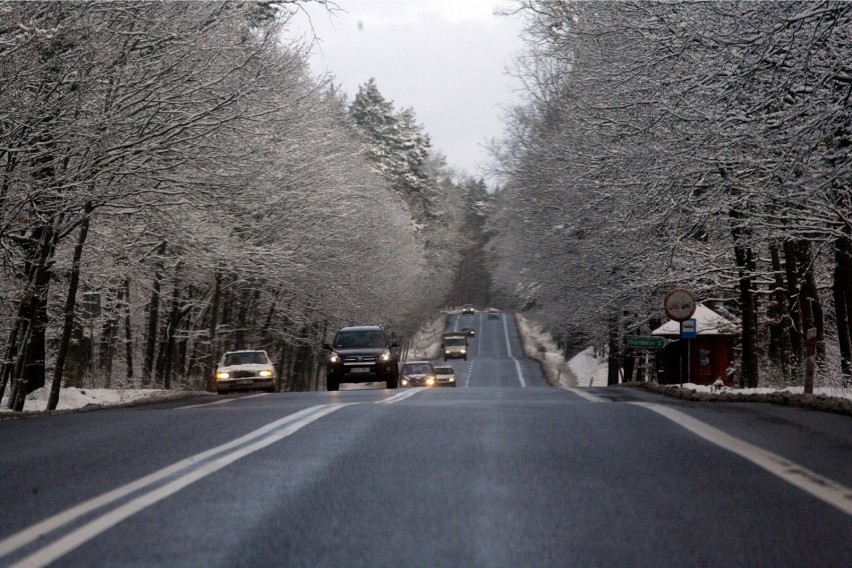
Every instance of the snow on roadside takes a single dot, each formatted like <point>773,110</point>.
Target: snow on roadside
<point>426,342</point>
<point>591,371</point>
<point>587,370</point>
<point>539,345</point>
<point>72,398</point>
<point>825,391</point>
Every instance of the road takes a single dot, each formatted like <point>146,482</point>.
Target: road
<point>520,475</point>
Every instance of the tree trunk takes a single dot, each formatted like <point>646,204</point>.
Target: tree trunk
<point>811,292</point>
<point>791,257</point>
<point>167,348</point>
<point>30,370</point>
<point>70,302</point>
<point>842,290</point>
<point>613,366</point>
<point>749,375</point>
<point>8,364</point>
<point>107,350</point>
<point>214,323</point>
<point>779,311</point>
<point>128,331</point>
<point>153,320</point>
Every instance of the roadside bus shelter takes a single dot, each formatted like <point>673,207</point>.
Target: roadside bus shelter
<point>701,360</point>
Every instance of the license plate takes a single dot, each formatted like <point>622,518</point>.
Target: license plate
<point>245,382</point>
<point>360,369</point>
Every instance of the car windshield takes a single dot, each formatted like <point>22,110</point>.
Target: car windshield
<point>455,341</point>
<point>415,369</point>
<point>355,339</point>
<point>444,370</point>
<point>246,358</point>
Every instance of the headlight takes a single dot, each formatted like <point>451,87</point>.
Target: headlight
<point>223,375</point>
<point>265,373</point>
<point>463,351</point>
<point>334,358</point>
<point>404,382</point>
<point>430,380</point>
<point>385,356</point>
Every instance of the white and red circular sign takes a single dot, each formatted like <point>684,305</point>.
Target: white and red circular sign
<point>679,304</point>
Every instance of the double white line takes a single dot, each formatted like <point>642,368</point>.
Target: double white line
<point>150,489</point>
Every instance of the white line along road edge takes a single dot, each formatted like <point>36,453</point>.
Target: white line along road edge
<point>184,472</point>
<point>509,351</point>
<point>809,481</point>
<point>579,392</point>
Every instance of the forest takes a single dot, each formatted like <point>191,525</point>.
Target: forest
<point>175,183</point>
<point>703,145</point>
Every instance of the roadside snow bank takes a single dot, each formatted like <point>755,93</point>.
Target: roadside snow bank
<point>425,344</point>
<point>827,400</point>
<point>73,398</point>
<point>590,370</point>
<point>539,345</point>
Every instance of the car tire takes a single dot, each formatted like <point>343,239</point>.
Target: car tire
<point>221,391</point>
<point>332,385</point>
<point>392,382</point>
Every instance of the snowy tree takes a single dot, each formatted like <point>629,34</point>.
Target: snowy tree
<point>680,144</point>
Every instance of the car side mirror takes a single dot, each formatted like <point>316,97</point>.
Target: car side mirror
<point>326,346</point>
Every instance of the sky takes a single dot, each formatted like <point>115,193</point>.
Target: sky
<point>444,58</point>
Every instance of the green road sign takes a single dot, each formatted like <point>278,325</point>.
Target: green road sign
<point>645,342</point>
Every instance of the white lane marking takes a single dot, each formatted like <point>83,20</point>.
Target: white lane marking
<point>223,401</point>
<point>580,393</point>
<point>74,539</point>
<point>401,396</point>
<point>509,350</point>
<point>33,532</point>
<point>469,372</point>
<point>809,481</point>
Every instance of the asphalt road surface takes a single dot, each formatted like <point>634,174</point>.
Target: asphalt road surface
<point>501,471</point>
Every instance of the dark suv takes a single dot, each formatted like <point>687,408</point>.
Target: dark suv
<point>362,354</point>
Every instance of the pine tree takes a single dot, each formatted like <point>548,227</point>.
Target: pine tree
<point>399,148</point>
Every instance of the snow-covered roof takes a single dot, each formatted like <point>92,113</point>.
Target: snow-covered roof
<point>707,322</point>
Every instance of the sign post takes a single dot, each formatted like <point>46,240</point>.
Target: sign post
<point>679,304</point>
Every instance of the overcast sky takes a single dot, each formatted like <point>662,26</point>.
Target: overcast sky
<point>444,58</point>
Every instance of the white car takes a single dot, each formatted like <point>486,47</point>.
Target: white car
<point>245,370</point>
<point>445,376</point>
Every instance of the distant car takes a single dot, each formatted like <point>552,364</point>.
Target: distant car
<point>417,374</point>
<point>469,330</point>
<point>468,309</point>
<point>245,370</point>
<point>445,376</point>
<point>493,314</point>
<point>454,345</point>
